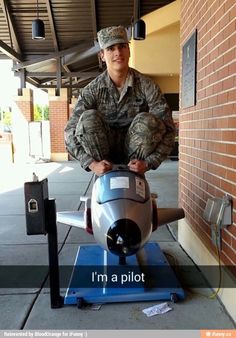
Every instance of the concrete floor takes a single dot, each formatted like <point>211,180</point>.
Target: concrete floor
<point>29,308</point>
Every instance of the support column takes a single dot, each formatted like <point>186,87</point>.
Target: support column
<point>72,105</point>
<point>23,113</point>
<point>58,116</point>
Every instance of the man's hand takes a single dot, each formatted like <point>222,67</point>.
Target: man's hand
<point>100,167</point>
<point>138,166</point>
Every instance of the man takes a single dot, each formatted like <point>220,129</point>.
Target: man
<point>121,117</point>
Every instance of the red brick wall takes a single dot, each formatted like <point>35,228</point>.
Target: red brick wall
<point>208,129</point>
<point>27,109</point>
<point>72,105</point>
<point>58,115</point>
<point>25,104</point>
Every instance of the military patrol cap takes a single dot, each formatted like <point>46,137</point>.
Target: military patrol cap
<point>112,35</point>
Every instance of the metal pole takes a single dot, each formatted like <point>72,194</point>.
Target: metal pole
<point>56,298</point>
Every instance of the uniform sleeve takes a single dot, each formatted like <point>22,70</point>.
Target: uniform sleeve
<point>159,107</point>
<point>85,101</point>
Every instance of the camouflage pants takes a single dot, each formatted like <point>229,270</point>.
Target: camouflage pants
<point>119,145</point>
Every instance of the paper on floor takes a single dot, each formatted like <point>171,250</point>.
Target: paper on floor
<point>157,309</point>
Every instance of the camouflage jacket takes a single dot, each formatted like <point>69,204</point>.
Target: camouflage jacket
<point>140,94</point>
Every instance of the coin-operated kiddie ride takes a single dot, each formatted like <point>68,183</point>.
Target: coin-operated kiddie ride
<point>123,265</point>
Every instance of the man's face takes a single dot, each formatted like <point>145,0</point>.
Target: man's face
<point>116,56</point>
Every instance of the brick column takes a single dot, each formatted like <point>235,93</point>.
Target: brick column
<point>25,104</point>
<point>58,116</point>
<point>72,105</point>
<point>23,113</point>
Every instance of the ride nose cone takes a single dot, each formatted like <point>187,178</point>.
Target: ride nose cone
<point>124,237</point>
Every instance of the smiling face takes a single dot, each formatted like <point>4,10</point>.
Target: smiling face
<point>116,57</point>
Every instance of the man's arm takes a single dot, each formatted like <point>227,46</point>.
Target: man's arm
<point>85,101</point>
<point>159,107</point>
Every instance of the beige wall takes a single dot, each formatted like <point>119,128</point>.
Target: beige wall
<point>168,83</point>
<point>159,54</point>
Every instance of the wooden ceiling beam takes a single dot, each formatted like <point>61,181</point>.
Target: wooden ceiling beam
<point>66,74</point>
<point>54,55</point>
<point>52,25</point>
<point>55,86</point>
<point>79,56</point>
<point>11,27</point>
<point>94,18</point>
<point>5,49</point>
<point>95,29</point>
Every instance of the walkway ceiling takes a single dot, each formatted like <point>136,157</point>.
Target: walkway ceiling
<point>68,57</point>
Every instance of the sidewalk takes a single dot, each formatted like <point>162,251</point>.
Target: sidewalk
<point>30,308</point>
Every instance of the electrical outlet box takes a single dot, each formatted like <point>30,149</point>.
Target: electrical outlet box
<point>36,195</point>
<point>218,212</point>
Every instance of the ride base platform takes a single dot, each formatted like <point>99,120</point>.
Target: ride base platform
<point>98,277</point>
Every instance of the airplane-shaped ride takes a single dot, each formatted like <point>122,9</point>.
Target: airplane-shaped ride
<point>123,265</point>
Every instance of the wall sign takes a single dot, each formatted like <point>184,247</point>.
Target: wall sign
<point>188,97</point>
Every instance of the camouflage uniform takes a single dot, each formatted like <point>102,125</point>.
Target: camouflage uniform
<point>133,124</point>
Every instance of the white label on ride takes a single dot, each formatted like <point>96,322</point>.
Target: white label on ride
<point>119,183</point>
<point>140,187</point>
